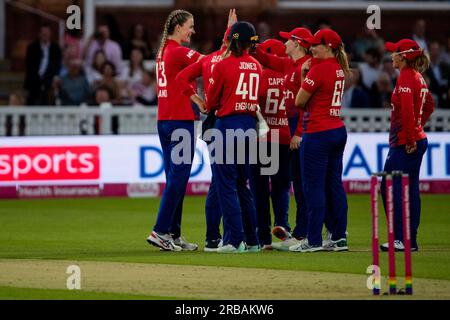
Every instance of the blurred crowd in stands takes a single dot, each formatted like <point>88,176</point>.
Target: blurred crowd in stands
<point>99,71</point>
<point>111,69</point>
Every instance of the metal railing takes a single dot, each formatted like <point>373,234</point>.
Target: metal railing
<point>77,120</point>
<point>86,120</point>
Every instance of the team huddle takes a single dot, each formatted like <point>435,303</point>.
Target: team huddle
<point>297,88</point>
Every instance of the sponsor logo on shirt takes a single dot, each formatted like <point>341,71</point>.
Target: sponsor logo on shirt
<point>340,73</point>
<point>404,90</point>
<point>190,54</point>
<point>309,82</point>
<point>288,94</point>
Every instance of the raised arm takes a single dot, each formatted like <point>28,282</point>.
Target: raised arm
<point>188,75</point>
<point>271,61</point>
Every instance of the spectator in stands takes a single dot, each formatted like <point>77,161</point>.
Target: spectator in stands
<point>101,40</point>
<point>16,99</point>
<point>103,95</point>
<point>109,80</point>
<point>73,87</point>
<point>370,39</point>
<point>73,38</point>
<point>419,32</point>
<point>439,74</point>
<point>138,39</point>
<point>93,71</point>
<point>144,91</point>
<point>69,53</point>
<point>381,92</point>
<point>445,55</point>
<point>388,67</point>
<point>114,30</point>
<point>371,68</point>
<point>43,62</point>
<point>355,96</point>
<point>133,72</point>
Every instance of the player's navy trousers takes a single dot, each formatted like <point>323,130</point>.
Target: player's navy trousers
<point>177,175</point>
<point>212,211</point>
<point>321,155</point>
<point>301,215</point>
<point>398,159</point>
<point>275,187</point>
<point>235,198</point>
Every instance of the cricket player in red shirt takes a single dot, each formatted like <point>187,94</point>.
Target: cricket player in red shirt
<point>323,143</point>
<point>233,95</point>
<point>298,53</point>
<point>174,112</point>
<point>412,105</point>
<point>185,79</point>
<point>276,186</point>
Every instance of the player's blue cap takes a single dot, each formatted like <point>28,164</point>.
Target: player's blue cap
<point>243,31</point>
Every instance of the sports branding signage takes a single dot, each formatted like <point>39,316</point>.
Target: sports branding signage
<point>133,165</point>
<point>37,163</point>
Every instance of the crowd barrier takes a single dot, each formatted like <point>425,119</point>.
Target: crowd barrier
<point>132,165</point>
<point>86,120</point>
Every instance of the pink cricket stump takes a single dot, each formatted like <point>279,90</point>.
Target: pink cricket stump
<point>390,222</point>
<point>375,252</point>
<point>407,234</point>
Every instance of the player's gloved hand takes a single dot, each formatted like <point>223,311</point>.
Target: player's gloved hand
<point>295,142</point>
<point>411,147</point>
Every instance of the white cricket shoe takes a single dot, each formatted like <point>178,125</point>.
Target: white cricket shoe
<point>286,244</point>
<point>398,246</point>
<point>304,246</point>
<point>327,243</point>
<point>185,246</point>
<point>229,248</point>
<point>163,241</point>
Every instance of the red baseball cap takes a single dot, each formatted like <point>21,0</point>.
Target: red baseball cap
<point>274,46</point>
<point>409,48</point>
<point>326,37</point>
<point>298,34</point>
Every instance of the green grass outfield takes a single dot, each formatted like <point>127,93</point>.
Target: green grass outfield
<point>114,230</point>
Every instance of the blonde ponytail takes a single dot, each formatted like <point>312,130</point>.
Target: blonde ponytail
<point>420,63</point>
<point>176,17</point>
<point>341,57</point>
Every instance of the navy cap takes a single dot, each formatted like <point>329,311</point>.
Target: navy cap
<point>243,31</point>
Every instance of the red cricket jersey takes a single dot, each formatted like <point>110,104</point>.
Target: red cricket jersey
<point>272,105</point>
<point>203,68</point>
<point>292,81</point>
<point>412,105</point>
<point>325,82</point>
<point>234,87</point>
<point>172,104</point>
